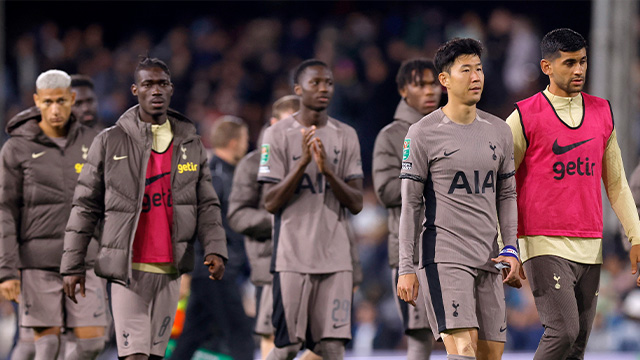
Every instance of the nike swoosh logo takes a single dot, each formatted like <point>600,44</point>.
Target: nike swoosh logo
<point>97,314</point>
<point>336,326</point>
<point>503,329</point>
<point>115,157</point>
<point>450,153</point>
<point>152,179</point>
<point>559,150</point>
<point>35,156</point>
<point>295,158</point>
<point>157,342</point>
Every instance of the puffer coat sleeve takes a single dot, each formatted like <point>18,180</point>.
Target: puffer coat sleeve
<point>87,209</point>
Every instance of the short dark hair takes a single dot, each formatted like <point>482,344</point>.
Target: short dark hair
<point>411,71</point>
<point>452,49</point>
<point>226,129</point>
<point>78,80</point>
<point>563,39</point>
<point>147,63</point>
<point>305,64</point>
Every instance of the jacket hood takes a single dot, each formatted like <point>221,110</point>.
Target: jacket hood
<point>181,125</point>
<point>406,113</point>
<point>25,123</point>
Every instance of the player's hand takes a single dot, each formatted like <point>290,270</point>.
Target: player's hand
<point>514,275</point>
<point>216,266</point>
<point>319,155</point>
<point>634,256</point>
<point>408,287</point>
<point>70,282</point>
<point>307,140</point>
<point>10,289</point>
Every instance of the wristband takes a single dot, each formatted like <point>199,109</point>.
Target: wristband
<point>509,250</point>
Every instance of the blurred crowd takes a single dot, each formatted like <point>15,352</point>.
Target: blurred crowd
<point>239,70</point>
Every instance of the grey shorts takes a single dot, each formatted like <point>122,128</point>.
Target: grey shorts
<point>44,303</point>
<point>314,304</point>
<point>264,300</point>
<point>566,296</point>
<point>143,313</point>
<point>464,297</point>
<point>413,318</point>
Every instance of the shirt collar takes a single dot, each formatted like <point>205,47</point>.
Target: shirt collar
<point>562,101</point>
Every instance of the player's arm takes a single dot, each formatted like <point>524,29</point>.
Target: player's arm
<point>414,176</point>
<point>385,171</point>
<point>621,199</point>
<point>507,208</point>
<point>277,194</point>
<point>87,209</point>
<point>412,190</point>
<point>519,139</point>
<point>348,191</point>
<point>245,215</point>
<point>634,185</point>
<point>10,203</point>
<point>211,233</point>
<point>355,257</point>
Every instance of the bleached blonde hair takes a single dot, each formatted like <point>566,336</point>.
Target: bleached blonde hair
<point>53,79</point>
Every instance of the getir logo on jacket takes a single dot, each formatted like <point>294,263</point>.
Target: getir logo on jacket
<point>187,167</point>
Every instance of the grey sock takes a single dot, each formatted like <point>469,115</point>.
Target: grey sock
<point>24,350</point>
<point>332,349</point>
<point>419,344</point>
<point>285,353</point>
<point>460,357</point>
<point>47,347</point>
<point>87,349</point>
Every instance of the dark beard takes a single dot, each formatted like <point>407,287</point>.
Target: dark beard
<point>570,89</point>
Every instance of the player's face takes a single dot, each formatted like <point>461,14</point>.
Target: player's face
<point>243,144</point>
<point>466,80</point>
<point>284,114</point>
<point>315,87</point>
<point>55,107</point>
<point>423,94</point>
<point>154,90</point>
<point>86,106</point>
<point>567,72</point>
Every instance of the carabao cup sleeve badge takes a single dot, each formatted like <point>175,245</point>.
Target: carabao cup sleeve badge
<point>264,154</point>
<point>406,149</point>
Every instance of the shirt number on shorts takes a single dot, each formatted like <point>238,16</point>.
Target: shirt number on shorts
<point>165,324</point>
<point>341,310</point>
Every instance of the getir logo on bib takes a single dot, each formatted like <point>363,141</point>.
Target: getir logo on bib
<point>579,166</point>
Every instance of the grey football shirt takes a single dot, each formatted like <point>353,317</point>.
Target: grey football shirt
<point>465,176</point>
<point>309,232</point>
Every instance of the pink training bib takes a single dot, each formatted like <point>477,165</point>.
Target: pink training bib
<point>558,181</point>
